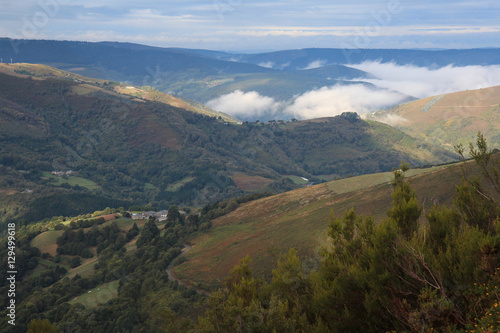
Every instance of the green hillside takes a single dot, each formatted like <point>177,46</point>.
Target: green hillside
<point>278,85</point>
<point>139,147</point>
<point>38,71</point>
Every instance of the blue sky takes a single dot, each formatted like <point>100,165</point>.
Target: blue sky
<point>256,25</point>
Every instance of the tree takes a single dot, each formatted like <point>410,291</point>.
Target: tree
<point>477,198</point>
<point>193,221</point>
<point>405,210</point>
<point>132,232</point>
<point>173,214</point>
<point>75,262</point>
<point>148,232</point>
<point>41,326</point>
<point>350,116</point>
<point>236,308</point>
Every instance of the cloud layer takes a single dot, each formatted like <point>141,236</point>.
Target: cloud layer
<point>332,101</point>
<point>316,64</point>
<point>423,82</point>
<point>245,105</point>
<point>394,84</point>
<point>324,102</point>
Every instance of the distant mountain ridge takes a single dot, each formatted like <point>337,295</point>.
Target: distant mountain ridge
<point>297,59</point>
<point>195,74</point>
<point>205,75</point>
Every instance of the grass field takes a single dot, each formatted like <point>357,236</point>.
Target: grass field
<point>176,186</point>
<point>46,242</point>
<point>298,180</point>
<point>361,182</point>
<point>71,180</point>
<point>86,269</point>
<point>250,183</point>
<point>99,295</point>
<point>125,223</point>
<point>267,227</point>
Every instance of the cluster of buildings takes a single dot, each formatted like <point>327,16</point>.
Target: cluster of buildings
<point>160,216</point>
<point>63,173</point>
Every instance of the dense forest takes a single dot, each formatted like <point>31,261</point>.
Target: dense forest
<point>416,271</point>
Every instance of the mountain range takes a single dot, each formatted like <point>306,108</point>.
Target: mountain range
<point>205,75</point>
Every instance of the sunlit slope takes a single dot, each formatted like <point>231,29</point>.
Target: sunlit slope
<point>449,119</point>
<point>39,72</point>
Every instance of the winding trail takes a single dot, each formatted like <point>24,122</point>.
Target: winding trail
<point>171,276</point>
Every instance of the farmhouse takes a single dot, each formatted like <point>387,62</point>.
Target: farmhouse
<point>161,215</point>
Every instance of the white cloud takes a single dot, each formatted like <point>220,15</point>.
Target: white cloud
<point>269,64</point>
<point>245,104</point>
<point>391,119</point>
<point>394,83</point>
<point>423,82</point>
<point>363,30</point>
<point>324,102</point>
<point>316,64</point>
<point>332,101</point>
<point>283,66</point>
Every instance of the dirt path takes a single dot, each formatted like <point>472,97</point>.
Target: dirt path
<point>171,276</point>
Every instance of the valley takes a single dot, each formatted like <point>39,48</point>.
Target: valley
<point>133,145</point>
<point>162,189</point>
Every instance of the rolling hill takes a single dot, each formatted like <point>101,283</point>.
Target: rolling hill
<point>142,146</point>
<point>204,75</point>
<point>449,119</point>
<point>38,71</point>
<point>265,228</point>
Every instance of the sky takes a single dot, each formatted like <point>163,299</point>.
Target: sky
<point>258,25</point>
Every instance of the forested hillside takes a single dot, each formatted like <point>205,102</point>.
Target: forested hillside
<point>67,136</point>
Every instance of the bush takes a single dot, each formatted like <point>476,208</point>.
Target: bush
<point>86,253</point>
<point>205,226</point>
<point>59,226</point>
<point>75,262</point>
